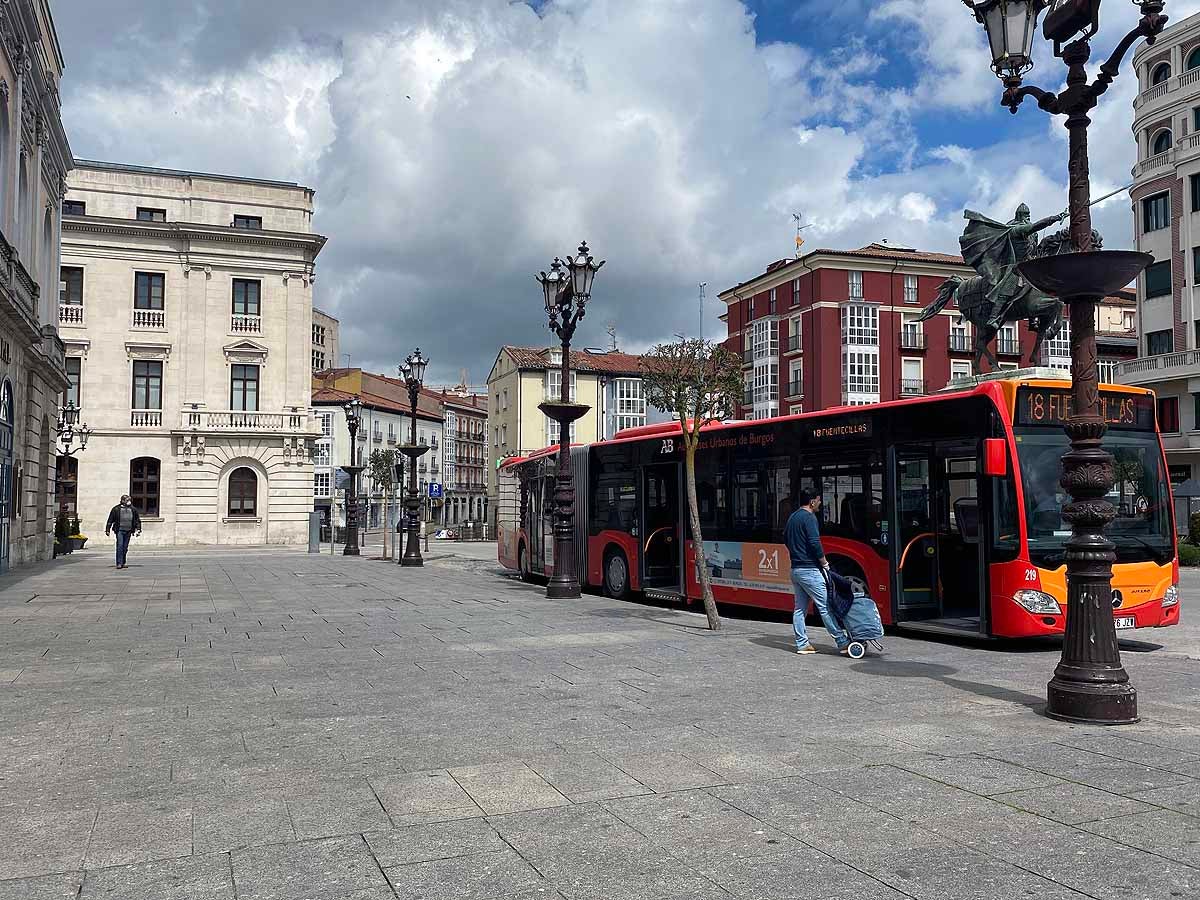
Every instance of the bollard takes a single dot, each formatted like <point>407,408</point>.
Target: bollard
<point>314,532</point>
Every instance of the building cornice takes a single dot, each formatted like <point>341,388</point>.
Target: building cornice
<point>847,261</point>
<point>192,231</point>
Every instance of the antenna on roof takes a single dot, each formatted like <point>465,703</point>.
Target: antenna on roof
<point>799,219</point>
<point>612,337</point>
<point>703,285</point>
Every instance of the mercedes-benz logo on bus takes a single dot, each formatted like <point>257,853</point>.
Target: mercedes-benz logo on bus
<point>1116,599</point>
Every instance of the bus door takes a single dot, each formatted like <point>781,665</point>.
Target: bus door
<point>938,561</point>
<point>662,524</point>
<point>540,520</point>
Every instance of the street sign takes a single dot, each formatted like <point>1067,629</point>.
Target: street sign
<point>435,490</point>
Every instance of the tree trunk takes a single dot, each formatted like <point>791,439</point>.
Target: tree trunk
<point>710,604</point>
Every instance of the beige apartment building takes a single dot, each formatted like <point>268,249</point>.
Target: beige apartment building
<point>186,310</point>
<point>609,383</point>
<point>325,341</point>
<point>34,160</point>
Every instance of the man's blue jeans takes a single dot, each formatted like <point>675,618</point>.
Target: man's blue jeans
<point>122,546</point>
<point>809,584</point>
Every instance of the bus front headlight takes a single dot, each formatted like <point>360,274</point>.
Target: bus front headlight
<point>1037,602</point>
<point>1171,598</point>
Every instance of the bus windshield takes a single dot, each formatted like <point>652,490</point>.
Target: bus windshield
<point>1142,528</point>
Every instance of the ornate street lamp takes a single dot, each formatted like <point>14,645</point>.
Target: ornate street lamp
<point>353,420</point>
<point>566,295</point>
<point>1090,684</point>
<point>68,429</point>
<point>413,374</point>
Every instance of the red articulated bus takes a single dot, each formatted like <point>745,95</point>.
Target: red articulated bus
<point>945,509</point>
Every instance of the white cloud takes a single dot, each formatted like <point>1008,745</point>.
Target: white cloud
<point>457,146</point>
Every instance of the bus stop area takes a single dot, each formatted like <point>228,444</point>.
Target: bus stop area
<point>259,723</point>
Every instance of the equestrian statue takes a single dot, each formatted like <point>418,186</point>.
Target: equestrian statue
<point>998,294</point>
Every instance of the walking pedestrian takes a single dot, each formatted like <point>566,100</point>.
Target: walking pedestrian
<point>803,537</point>
<point>125,521</point>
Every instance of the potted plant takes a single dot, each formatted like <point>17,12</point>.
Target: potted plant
<point>78,540</point>
<point>62,533</point>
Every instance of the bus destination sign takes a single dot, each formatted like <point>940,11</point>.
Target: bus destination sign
<point>1046,406</point>
<point>843,430</point>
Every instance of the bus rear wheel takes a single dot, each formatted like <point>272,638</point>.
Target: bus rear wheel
<point>852,573</point>
<point>523,565</point>
<point>616,574</point>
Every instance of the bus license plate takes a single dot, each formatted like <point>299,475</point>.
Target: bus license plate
<point>1126,622</point>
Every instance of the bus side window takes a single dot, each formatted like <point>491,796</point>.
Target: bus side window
<point>1005,534</point>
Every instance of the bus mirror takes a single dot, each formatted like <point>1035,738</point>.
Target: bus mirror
<point>995,459</point>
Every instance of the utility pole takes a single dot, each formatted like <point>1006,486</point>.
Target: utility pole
<point>799,219</point>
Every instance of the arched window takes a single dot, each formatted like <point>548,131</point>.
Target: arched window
<point>143,484</point>
<point>1162,72</point>
<point>1193,60</point>
<point>243,492</point>
<point>1162,142</point>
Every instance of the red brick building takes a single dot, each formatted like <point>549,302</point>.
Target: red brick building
<point>838,327</point>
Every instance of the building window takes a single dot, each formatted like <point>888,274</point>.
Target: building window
<point>1158,279</point>
<point>1193,61</point>
<point>960,335</point>
<point>1168,414</point>
<point>147,384</point>
<point>1159,342</point>
<point>148,290</point>
<point>143,485</point>
<point>860,324</point>
<point>910,288</point>
<point>250,223</point>
<point>74,208</point>
<point>74,372</point>
<point>1161,73</point>
<point>1162,142</point>
<point>959,368</point>
<point>860,369</point>
<point>1156,212</point>
<point>243,393</point>
<point>243,493</point>
<point>1194,180</point>
<point>150,214</point>
<point>320,484</point>
<point>318,360</point>
<point>71,290</point>
<point>795,292</point>
<point>856,285</point>
<point>1106,370</point>
<point>771,303</point>
<point>246,296</point>
<point>321,453</point>
<point>553,386</point>
<point>318,335</point>
<point>326,424</point>
<point>795,335</point>
<point>1058,348</point>
<point>631,403</point>
<point>912,334</point>
<point>912,377</point>
<point>765,338</point>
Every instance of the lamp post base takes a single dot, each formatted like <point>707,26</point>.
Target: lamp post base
<point>412,560</point>
<point>565,588</point>
<point>1091,704</point>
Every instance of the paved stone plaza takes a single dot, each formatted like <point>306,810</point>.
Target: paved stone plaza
<point>268,724</point>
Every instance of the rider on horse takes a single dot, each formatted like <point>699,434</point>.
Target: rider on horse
<point>994,250</point>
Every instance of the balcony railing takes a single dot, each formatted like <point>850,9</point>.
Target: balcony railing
<point>960,343</point>
<point>145,418</point>
<point>793,344</point>
<point>245,420</point>
<point>912,387</point>
<point>377,437</point>
<point>391,437</point>
<point>1155,162</point>
<point>149,318</point>
<point>795,389</point>
<point>1008,346</point>
<point>70,314</point>
<point>912,339</point>
<point>1163,88</point>
<point>242,324</point>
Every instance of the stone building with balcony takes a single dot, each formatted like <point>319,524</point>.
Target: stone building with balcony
<point>1166,209</point>
<point>465,454</point>
<point>186,312</point>
<point>386,421</point>
<point>839,328</point>
<point>609,382</point>
<point>34,161</point>
<point>326,341</point>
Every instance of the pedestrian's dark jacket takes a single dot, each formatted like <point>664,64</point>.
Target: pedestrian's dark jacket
<point>803,538</point>
<point>114,519</point>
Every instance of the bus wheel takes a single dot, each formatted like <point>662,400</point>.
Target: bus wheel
<point>616,574</point>
<point>523,565</point>
<point>851,573</point>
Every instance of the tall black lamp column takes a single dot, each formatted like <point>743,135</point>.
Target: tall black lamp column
<point>353,420</point>
<point>413,374</point>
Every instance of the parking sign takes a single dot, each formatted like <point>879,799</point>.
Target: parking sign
<point>435,490</point>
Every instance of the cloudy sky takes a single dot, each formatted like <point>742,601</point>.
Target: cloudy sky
<point>457,146</point>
